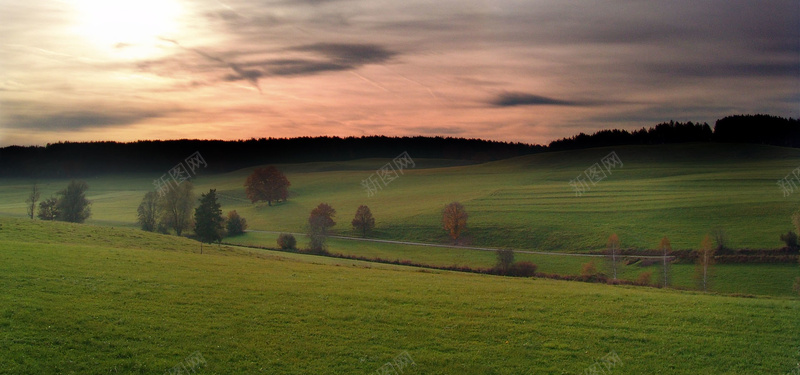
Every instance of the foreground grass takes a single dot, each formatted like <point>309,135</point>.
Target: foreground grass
<point>78,306</point>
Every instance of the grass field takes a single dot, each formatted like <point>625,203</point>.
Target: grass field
<point>679,191</point>
<point>91,300</point>
<point>751,279</point>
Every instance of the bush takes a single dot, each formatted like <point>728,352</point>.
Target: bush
<point>644,279</point>
<point>588,270</point>
<point>522,269</point>
<point>287,242</point>
<point>790,239</point>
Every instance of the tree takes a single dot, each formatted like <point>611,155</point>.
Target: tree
<point>235,224</point>
<point>319,223</point>
<point>454,219</point>
<point>720,238</point>
<point>666,248</point>
<point>612,251</point>
<point>505,258</point>
<point>32,199</point>
<point>363,221</point>
<point>267,184</point>
<point>705,260</point>
<point>48,209</point>
<point>73,205</point>
<point>176,205</point>
<point>148,211</point>
<point>208,220</point>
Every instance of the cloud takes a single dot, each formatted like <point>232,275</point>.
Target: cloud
<point>350,54</point>
<point>512,99</point>
<point>79,120</point>
<point>251,76</point>
<point>722,69</point>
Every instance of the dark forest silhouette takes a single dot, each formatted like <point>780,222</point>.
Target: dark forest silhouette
<point>77,159</point>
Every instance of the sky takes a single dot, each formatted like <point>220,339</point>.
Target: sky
<point>523,71</point>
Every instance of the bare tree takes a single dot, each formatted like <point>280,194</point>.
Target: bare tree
<point>505,258</point>
<point>32,199</point>
<point>612,251</point>
<point>720,238</point>
<point>666,248</point>
<point>148,211</point>
<point>705,260</point>
<point>176,205</point>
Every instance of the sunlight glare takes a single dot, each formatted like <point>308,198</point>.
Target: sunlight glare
<point>129,28</point>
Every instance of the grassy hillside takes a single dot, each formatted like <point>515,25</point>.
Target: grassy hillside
<point>679,191</point>
<point>751,279</point>
<point>142,303</point>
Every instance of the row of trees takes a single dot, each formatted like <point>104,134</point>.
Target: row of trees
<point>759,129</point>
<point>321,220</point>
<point>178,210</point>
<point>69,204</point>
<point>704,260</point>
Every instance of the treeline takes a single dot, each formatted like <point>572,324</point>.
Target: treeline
<point>81,159</point>
<point>759,129</point>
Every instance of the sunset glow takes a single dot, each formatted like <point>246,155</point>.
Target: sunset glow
<point>505,70</point>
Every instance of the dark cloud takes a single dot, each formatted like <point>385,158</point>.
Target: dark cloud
<point>350,54</point>
<point>80,120</point>
<point>304,67</point>
<point>251,76</point>
<point>512,99</point>
<point>327,57</point>
<point>721,69</point>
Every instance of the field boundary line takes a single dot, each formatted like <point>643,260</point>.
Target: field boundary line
<point>459,246</point>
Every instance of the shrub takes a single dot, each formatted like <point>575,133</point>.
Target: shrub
<point>287,242</point>
<point>588,270</point>
<point>522,269</point>
<point>644,279</point>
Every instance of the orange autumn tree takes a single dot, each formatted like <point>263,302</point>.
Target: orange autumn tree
<point>454,219</point>
<point>267,184</point>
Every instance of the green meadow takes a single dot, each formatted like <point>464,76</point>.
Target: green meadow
<point>525,203</point>
<point>678,191</point>
<point>89,299</point>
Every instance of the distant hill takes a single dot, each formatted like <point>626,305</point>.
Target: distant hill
<point>83,159</point>
<point>96,158</point>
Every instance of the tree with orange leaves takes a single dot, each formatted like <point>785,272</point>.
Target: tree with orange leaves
<point>454,219</point>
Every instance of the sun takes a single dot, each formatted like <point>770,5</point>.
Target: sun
<point>130,28</point>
